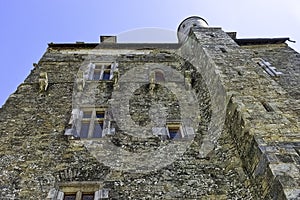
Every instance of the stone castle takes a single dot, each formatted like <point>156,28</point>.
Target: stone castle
<point>209,117</point>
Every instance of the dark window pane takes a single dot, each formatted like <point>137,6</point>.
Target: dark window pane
<point>100,114</point>
<point>106,75</point>
<point>70,197</point>
<point>87,197</point>
<point>84,129</point>
<point>107,66</point>
<point>174,133</point>
<point>98,130</point>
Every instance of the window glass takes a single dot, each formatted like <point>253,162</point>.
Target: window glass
<point>100,114</point>
<point>84,131</point>
<point>174,132</point>
<point>87,197</point>
<point>106,75</point>
<point>70,197</point>
<point>97,74</point>
<point>98,129</point>
<point>92,123</point>
<point>159,76</point>
<point>87,114</point>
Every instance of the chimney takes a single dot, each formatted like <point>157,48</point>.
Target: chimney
<point>108,39</point>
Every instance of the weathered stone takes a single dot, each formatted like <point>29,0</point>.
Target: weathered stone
<point>245,144</point>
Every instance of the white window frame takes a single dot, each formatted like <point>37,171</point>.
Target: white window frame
<point>92,120</point>
<point>103,67</point>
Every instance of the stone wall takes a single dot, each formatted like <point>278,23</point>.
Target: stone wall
<point>36,156</point>
<point>246,143</point>
<point>261,116</point>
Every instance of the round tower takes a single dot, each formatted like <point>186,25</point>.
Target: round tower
<point>185,26</point>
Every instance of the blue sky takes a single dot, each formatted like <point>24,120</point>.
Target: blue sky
<point>27,26</point>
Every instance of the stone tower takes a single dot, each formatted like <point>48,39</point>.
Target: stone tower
<point>209,117</point>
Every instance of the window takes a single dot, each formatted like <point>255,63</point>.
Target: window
<point>78,191</point>
<point>87,114</point>
<point>103,71</point>
<point>85,126</point>
<point>106,72</point>
<point>85,196</point>
<point>98,128</point>
<point>269,69</point>
<point>70,197</point>
<point>159,76</point>
<point>92,123</point>
<point>100,114</point>
<point>89,122</point>
<point>80,196</point>
<point>174,131</point>
<point>97,73</point>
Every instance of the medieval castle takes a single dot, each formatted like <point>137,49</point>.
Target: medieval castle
<point>210,117</point>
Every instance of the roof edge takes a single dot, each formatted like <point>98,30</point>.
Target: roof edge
<point>260,41</point>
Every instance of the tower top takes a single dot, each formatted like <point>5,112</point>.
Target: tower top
<point>185,26</point>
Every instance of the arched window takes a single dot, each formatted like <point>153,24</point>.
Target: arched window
<point>159,76</point>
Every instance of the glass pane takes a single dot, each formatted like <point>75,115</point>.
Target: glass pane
<point>98,130</point>
<point>159,76</point>
<point>106,75</point>
<point>70,197</point>
<point>100,114</point>
<point>87,197</point>
<point>84,131</point>
<point>107,66</point>
<point>174,133</point>
<point>98,67</point>
<point>87,114</point>
<point>96,75</point>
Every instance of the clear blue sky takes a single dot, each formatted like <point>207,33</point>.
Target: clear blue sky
<point>27,26</point>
